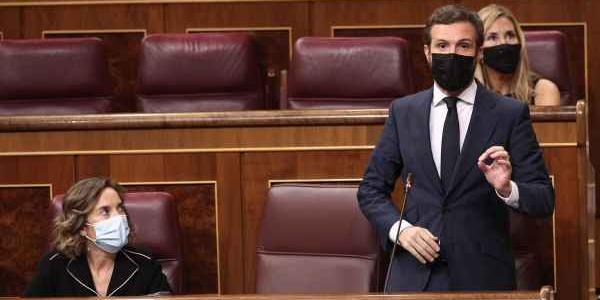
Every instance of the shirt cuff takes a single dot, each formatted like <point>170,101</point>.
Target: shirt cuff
<point>394,230</point>
<point>513,199</point>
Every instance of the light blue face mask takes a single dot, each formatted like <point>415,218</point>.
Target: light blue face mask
<point>111,234</point>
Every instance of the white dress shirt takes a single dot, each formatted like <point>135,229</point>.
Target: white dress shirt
<point>437,118</point>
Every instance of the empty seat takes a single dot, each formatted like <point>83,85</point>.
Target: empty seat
<point>315,239</point>
<point>547,52</point>
<point>199,72</point>
<point>337,73</point>
<point>54,76</point>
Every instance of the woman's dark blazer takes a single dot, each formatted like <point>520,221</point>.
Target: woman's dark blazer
<point>135,273</point>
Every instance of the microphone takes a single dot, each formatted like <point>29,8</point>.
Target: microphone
<point>388,275</point>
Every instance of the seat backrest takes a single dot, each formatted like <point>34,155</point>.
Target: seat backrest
<point>315,239</point>
<point>54,76</point>
<point>156,229</point>
<point>199,72</point>
<point>365,72</point>
<point>547,52</point>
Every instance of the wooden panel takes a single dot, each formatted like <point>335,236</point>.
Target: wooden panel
<point>326,14</point>
<point>274,49</point>
<point>122,49</point>
<point>179,17</point>
<point>197,210</point>
<point>24,227</point>
<point>24,217</point>
<point>536,11</point>
<point>97,17</point>
<point>562,164</point>
<point>224,170</point>
<point>10,22</point>
<point>259,168</point>
<point>57,170</point>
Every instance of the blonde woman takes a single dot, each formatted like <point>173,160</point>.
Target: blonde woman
<point>91,257</point>
<point>504,67</point>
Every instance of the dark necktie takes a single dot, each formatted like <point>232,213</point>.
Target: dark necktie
<point>450,143</point>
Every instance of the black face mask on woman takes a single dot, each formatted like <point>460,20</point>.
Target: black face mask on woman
<point>453,72</point>
<point>503,58</point>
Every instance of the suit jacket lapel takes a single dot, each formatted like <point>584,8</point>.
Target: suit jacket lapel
<point>482,125</point>
<point>124,269</point>
<point>79,270</point>
<point>424,140</point>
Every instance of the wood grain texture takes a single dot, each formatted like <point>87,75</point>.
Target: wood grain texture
<point>24,227</point>
<point>10,22</point>
<point>197,211</point>
<point>25,221</point>
<point>326,14</point>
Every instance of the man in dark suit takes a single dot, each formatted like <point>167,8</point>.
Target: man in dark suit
<point>473,157</point>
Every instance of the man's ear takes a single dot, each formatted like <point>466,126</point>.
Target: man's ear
<point>427,52</point>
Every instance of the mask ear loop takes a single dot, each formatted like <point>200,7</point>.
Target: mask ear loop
<point>84,234</point>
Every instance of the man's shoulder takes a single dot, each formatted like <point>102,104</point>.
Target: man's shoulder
<point>412,100</point>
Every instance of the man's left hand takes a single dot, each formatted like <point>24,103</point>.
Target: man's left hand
<point>498,173</point>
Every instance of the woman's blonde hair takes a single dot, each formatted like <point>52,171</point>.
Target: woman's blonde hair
<point>78,202</point>
<point>520,85</point>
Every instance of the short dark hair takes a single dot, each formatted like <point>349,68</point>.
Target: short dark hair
<point>451,14</point>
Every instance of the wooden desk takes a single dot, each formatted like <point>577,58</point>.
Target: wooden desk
<point>219,167</point>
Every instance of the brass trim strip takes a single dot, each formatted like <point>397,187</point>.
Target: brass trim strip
<point>216,195</point>
<point>201,150</point>
<point>83,31</point>
<point>224,150</point>
<point>270,182</point>
<point>289,29</point>
<point>333,28</point>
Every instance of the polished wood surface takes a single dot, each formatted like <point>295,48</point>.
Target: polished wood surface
<point>545,293</point>
<point>219,166</point>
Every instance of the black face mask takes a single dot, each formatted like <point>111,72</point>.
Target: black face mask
<point>453,72</point>
<point>502,58</point>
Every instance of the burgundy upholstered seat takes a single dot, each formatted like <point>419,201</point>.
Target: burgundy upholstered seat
<point>315,239</point>
<point>198,72</point>
<point>54,76</point>
<point>156,229</point>
<point>367,72</point>
<point>547,52</point>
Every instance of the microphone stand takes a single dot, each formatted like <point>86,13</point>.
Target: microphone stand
<point>388,275</point>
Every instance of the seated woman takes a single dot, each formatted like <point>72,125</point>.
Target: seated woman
<point>504,67</point>
<point>91,256</point>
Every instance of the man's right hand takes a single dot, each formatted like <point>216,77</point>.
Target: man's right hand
<point>420,243</point>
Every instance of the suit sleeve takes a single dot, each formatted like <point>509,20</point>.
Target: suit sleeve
<point>374,193</point>
<point>536,194</point>
<point>41,285</point>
